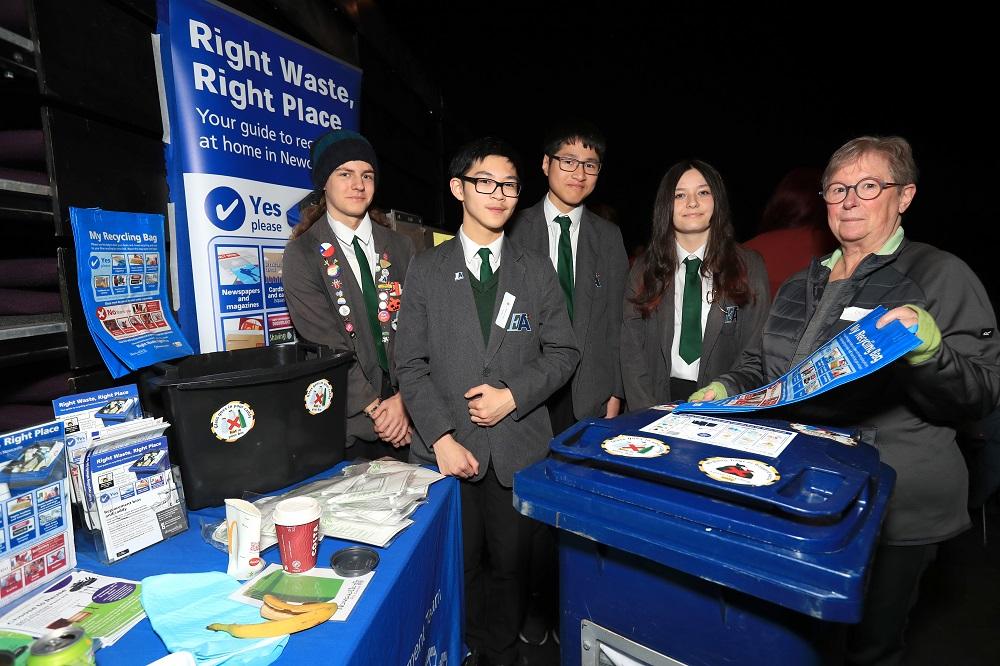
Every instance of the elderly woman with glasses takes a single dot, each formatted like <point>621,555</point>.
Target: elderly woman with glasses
<point>913,405</point>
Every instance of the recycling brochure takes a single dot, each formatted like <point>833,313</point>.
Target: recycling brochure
<point>87,415</point>
<point>103,606</point>
<point>122,280</point>
<point>130,488</point>
<point>36,529</point>
<point>855,352</point>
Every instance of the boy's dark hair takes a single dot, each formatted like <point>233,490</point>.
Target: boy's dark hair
<point>478,150</point>
<point>573,130</point>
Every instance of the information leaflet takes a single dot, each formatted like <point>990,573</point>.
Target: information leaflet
<point>36,528</point>
<point>105,607</point>
<point>119,259</point>
<point>134,494</point>
<point>86,415</point>
<point>858,350</point>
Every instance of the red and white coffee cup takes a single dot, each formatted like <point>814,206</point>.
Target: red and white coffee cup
<point>296,521</point>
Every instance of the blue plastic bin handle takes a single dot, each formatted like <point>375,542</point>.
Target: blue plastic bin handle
<point>572,435</point>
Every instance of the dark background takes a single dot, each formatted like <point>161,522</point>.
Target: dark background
<point>754,91</point>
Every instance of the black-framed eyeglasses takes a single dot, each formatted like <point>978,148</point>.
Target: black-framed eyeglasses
<point>489,186</point>
<point>866,188</point>
<point>571,164</point>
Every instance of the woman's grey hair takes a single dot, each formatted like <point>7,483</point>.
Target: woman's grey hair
<point>895,149</point>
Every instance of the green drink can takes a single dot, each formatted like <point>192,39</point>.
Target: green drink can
<point>63,647</point>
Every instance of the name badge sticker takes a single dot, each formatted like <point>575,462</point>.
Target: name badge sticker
<point>854,314</point>
<point>506,305</point>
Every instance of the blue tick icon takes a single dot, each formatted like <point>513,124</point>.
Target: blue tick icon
<point>225,209</point>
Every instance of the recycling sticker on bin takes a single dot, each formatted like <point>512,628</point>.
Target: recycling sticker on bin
<point>632,446</point>
<point>232,421</point>
<point>741,471</point>
<point>318,396</point>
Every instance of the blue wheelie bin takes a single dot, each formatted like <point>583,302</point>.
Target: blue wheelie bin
<point>692,539</point>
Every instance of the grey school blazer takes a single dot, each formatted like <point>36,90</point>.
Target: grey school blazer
<point>440,354</point>
<point>600,269</point>
<point>646,342</point>
<point>312,302</point>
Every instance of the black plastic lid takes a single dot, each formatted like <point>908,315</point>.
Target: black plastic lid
<point>354,561</point>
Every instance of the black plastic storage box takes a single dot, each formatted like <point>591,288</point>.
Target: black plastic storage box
<point>250,420</point>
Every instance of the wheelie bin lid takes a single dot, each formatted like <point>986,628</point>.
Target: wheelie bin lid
<point>791,469</point>
<point>788,512</point>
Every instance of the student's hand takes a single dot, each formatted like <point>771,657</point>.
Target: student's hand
<point>453,459</point>
<point>391,422</point>
<point>488,405</point>
<point>402,441</point>
<point>614,407</point>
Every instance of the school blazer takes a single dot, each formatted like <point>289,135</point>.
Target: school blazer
<point>312,304</point>
<point>440,354</point>
<point>645,343</point>
<point>600,270</point>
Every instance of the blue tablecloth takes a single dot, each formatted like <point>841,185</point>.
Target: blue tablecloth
<point>410,613</point>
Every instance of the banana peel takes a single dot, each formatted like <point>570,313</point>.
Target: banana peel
<point>283,618</point>
<point>271,613</point>
<point>298,622</point>
<point>282,605</point>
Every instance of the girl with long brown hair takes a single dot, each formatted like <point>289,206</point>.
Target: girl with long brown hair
<point>696,298</point>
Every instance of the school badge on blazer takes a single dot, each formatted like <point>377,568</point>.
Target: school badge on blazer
<point>519,322</point>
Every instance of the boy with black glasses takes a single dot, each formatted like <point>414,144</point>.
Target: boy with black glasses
<point>589,256</point>
<point>485,340</point>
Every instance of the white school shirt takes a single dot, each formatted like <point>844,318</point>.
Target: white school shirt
<point>345,236</point>
<point>472,259</point>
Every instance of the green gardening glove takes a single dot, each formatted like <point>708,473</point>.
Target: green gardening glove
<point>699,395</point>
<point>929,334</point>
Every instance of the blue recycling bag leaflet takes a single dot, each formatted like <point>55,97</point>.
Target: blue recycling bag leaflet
<point>859,350</point>
<point>120,270</point>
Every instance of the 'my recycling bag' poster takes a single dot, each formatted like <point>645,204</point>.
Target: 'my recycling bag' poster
<point>859,350</point>
<point>120,258</point>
